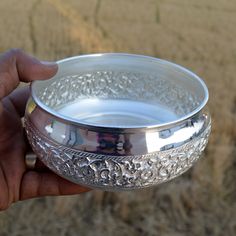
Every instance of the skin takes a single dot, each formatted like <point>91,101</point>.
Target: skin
<point>16,182</point>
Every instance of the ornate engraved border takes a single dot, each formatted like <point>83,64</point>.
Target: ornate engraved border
<point>116,172</point>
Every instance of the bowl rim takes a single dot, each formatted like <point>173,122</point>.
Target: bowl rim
<point>89,126</point>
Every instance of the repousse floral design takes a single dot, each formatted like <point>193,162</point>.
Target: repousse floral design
<point>116,172</point>
<point>122,85</point>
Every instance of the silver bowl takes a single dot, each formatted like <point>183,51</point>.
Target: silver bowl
<point>118,121</point>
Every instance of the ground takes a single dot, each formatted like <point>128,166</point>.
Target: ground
<point>199,35</point>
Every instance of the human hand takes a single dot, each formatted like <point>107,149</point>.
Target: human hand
<point>16,182</point>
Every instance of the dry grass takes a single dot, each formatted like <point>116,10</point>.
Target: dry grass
<point>197,34</point>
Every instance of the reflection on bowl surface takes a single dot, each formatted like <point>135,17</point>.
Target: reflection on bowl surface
<point>117,113</point>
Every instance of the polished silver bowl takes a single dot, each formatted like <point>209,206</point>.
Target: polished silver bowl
<point>118,121</point>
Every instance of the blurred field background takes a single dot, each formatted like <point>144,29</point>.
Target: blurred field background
<point>199,35</point>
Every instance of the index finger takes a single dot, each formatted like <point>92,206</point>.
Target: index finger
<point>35,184</point>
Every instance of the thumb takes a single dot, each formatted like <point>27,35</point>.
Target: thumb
<point>16,66</point>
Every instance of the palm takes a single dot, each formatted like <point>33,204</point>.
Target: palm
<point>16,181</point>
<point>12,149</point>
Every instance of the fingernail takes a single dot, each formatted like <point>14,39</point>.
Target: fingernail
<point>49,63</point>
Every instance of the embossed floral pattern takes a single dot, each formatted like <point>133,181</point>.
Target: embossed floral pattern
<point>116,84</point>
<point>116,172</point>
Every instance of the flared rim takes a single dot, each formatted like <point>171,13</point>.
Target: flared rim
<point>138,127</point>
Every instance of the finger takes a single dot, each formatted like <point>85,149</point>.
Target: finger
<point>19,98</point>
<point>16,66</point>
<point>36,184</point>
<point>40,167</point>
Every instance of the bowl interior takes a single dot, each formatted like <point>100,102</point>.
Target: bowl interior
<point>121,91</point>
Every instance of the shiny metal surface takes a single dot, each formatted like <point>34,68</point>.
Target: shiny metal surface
<point>118,121</point>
